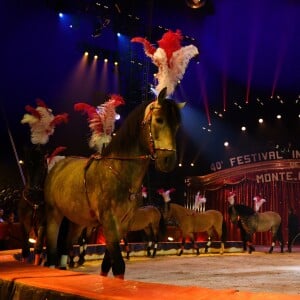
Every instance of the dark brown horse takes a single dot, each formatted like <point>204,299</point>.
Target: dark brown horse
<point>102,190</point>
<point>252,222</point>
<point>150,219</point>
<point>31,208</point>
<point>191,222</point>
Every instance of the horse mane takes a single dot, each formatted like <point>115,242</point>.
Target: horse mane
<point>244,210</point>
<point>128,133</point>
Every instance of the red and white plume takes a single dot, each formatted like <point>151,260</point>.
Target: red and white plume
<point>170,58</point>
<point>144,192</point>
<point>42,122</point>
<point>258,202</point>
<point>230,197</point>
<point>166,194</point>
<point>101,120</point>
<point>53,158</point>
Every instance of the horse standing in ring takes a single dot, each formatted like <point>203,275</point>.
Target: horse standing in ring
<point>151,221</point>
<point>102,190</point>
<point>253,221</point>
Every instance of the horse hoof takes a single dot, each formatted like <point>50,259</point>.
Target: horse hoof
<point>71,264</point>
<point>62,268</point>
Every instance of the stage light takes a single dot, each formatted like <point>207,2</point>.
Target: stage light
<point>260,120</point>
<point>195,3</point>
<point>226,144</point>
<point>243,128</point>
<point>278,117</point>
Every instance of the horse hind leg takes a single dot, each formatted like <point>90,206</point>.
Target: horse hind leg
<point>207,245</point>
<point>149,246</point>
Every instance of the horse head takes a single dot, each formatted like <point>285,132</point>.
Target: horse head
<point>237,211</point>
<point>161,121</point>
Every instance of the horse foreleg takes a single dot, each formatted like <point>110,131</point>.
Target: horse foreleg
<point>181,247</point>
<point>249,243</point>
<point>106,264</point>
<point>38,248</point>
<point>53,224</point>
<point>113,259</point>
<point>126,247</point>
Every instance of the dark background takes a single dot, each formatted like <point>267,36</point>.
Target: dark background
<point>248,67</point>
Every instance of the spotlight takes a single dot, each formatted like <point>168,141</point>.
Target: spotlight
<point>195,3</point>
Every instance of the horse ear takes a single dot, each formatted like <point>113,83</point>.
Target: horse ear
<point>162,95</point>
<point>181,105</point>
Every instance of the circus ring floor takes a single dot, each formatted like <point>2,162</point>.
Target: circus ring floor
<point>233,275</point>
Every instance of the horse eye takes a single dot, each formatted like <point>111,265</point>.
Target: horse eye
<point>159,120</point>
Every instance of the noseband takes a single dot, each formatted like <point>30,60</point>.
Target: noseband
<point>147,121</point>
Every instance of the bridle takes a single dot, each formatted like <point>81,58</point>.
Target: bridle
<point>147,122</point>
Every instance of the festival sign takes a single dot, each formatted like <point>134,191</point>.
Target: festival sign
<point>256,157</point>
<point>285,170</point>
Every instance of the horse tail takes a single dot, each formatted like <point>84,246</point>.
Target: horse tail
<point>224,232</point>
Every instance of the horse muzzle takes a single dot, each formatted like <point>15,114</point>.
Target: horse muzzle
<point>165,159</point>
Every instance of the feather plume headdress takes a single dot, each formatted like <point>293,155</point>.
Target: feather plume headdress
<point>166,194</point>
<point>42,122</point>
<point>258,202</point>
<point>53,158</point>
<point>170,58</point>
<point>101,120</point>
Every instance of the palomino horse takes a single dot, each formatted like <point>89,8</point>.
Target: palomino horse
<point>191,222</point>
<point>103,189</point>
<point>149,219</point>
<point>253,222</point>
<point>31,207</point>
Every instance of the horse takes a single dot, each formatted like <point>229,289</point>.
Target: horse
<point>31,206</point>
<point>191,222</point>
<point>252,222</point>
<point>102,189</point>
<point>150,220</point>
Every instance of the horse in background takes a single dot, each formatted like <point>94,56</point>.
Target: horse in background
<point>191,222</point>
<point>253,222</point>
<point>31,207</point>
<point>151,221</point>
<point>102,190</point>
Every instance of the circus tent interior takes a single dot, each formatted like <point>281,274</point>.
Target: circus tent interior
<point>247,68</point>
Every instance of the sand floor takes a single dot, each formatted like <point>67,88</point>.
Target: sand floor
<point>256,272</point>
